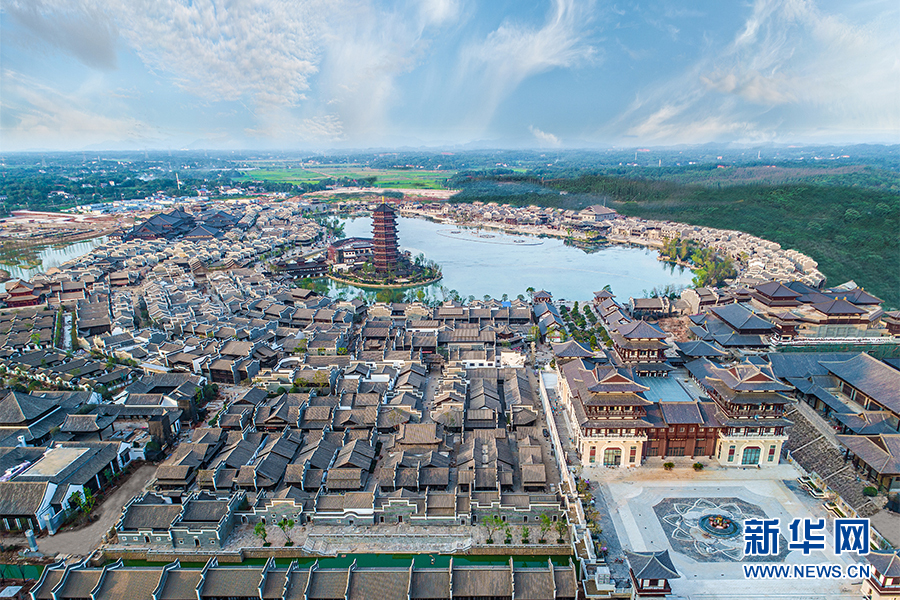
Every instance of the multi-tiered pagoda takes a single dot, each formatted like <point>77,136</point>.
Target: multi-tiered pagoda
<point>384,234</point>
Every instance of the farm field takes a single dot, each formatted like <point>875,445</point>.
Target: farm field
<point>384,178</point>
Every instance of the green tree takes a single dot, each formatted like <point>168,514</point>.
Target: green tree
<point>260,531</point>
<point>562,529</point>
<point>285,524</point>
<point>493,523</point>
<point>546,526</point>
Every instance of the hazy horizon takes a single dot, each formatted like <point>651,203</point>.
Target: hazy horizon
<point>351,75</point>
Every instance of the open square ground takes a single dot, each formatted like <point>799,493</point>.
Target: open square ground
<point>653,509</point>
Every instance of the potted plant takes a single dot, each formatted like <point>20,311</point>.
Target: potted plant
<point>668,466</point>
<point>698,466</point>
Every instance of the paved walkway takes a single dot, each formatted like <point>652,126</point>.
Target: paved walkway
<point>817,421</point>
<point>83,542</point>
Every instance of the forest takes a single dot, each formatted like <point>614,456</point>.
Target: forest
<point>852,232</point>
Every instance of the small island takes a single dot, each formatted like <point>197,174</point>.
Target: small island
<point>378,262</point>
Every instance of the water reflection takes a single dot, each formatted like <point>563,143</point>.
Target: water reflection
<point>46,257</point>
<point>475,269</point>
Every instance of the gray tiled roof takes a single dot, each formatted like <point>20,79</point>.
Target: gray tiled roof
<point>130,584</point>
<point>652,565</point>
<point>19,498</point>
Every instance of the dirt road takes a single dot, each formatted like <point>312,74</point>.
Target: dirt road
<point>84,541</point>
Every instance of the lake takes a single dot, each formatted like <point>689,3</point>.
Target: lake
<point>51,256</point>
<point>475,265</point>
<point>478,263</point>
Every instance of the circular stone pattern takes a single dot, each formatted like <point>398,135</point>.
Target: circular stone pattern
<point>719,525</point>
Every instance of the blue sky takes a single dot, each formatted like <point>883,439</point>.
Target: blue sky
<point>514,73</point>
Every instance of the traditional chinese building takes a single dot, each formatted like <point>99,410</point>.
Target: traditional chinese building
<point>20,293</point>
<point>642,346</point>
<point>750,408</point>
<point>609,413</point>
<point>884,579</point>
<point>384,242</point>
<point>650,573</point>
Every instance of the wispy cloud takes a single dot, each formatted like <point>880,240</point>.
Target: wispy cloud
<point>514,51</point>
<point>35,115</point>
<point>83,30</point>
<point>790,62</point>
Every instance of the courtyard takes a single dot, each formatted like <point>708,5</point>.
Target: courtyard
<point>653,509</point>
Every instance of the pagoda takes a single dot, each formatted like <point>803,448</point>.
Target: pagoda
<point>384,234</point>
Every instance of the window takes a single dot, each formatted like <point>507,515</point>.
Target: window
<point>612,457</point>
<point>771,453</point>
<point>676,451</point>
<point>633,454</point>
<point>681,430</point>
<point>750,455</point>
<point>731,453</point>
<point>593,454</point>
<point>652,451</point>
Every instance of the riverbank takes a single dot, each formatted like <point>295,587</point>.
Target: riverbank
<point>44,242</point>
<point>376,286</point>
<point>495,269</point>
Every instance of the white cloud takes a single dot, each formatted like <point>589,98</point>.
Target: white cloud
<point>513,52</point>
<point>792,71</point>
<point>544,138</point>
<point>326,66</point>
<point>85,31</point>
<point>36,116</point>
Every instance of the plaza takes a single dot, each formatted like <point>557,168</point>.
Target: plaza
<point>653,509</point>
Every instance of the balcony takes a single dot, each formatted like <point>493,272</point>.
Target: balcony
<point>599,436</point>
<point>753,435</point>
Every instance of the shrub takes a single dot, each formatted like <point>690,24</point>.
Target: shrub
<point>870,491</point>
<point>698,466</point>
<point>669,466</point>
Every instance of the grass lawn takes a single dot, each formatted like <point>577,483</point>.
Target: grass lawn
<point>385,178</point>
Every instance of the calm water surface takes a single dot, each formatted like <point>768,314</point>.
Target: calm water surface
<point>479,266</point>
<point>485,263</point>
<point>53,256</point>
